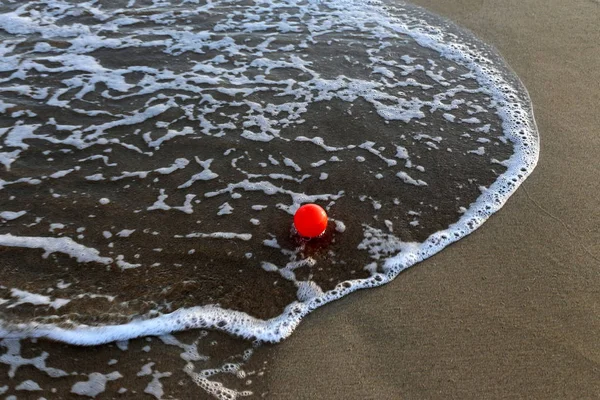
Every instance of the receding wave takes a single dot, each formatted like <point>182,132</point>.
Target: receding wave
<point>153,154</point>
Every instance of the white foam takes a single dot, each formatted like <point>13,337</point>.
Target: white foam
<point>121,263</point>
<point>12,357</point>
<point>290,163</point>
<point>268,188</point>
<point>25,297</point>
<point>216,389</point>
<point>308,290</point>
<point>155,387</point>
<point>401,153</point>
<point>160,204</point>
<point>479,151</point>
<point>95,384</point>
<point>407,179</point>
<point>11,215</point>
<point>29,386</point>
<point>319,141</point>
<point>51,245</point>
<point>339,226</point>
<point>225,209</point>
<point>395,255</point>
<point>179,163</point>
<point>123,345</point>
<point>93,295</point>
<point>56,226</point>
<point>190,351</point>
<point>449,117</point>
<point>95,178</point>
<point>125,232</point>
<point>205,175</point>
<point>369,147</point>
<point>218,235</point>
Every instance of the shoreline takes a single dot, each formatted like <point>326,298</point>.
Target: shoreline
<point>519,128</point>
<point>511,311</point>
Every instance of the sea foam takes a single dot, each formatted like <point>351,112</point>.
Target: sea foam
<point>105,106</point>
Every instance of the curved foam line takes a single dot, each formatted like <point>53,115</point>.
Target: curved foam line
<point>519,127</point>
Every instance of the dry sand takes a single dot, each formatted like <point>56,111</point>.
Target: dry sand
<point>512,311</point>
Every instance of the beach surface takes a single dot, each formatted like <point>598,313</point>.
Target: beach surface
<point>513,310</point>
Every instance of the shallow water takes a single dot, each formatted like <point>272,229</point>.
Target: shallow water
<point>168,366</point>
<point>154,153</point>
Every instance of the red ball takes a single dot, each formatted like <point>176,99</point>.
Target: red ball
<point>310,220</point>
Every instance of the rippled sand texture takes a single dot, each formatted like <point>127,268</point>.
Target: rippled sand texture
<point>154,153</point>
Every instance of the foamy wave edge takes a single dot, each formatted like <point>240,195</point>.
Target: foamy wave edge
<point>519,127</point>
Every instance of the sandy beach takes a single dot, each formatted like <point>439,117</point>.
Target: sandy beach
<point>513,310</point>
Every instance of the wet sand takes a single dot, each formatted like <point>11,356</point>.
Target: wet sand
<point>513,310</point>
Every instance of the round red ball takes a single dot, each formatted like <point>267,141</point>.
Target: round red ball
<point>310,220</point>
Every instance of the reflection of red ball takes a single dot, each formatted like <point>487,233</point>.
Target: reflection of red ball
<point>310,220</point>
